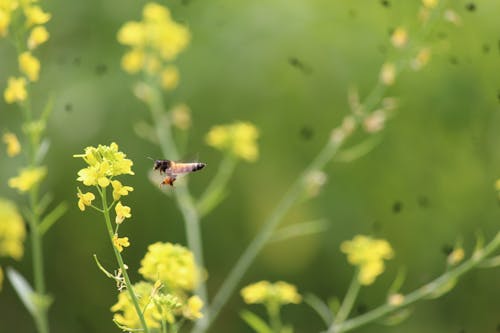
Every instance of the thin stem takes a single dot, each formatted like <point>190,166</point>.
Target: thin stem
<point>266,232</point>
<point>349,299</point>
<point>118,256</point>
<point>423,292</point>
<point>273,311</point>
<point>183,197</point>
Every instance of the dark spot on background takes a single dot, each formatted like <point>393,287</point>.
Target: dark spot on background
<point>453,60</point>
<point>446,249</point>
<point>306,133</point>
<point>498,95</point>
<point>77,61</point>
<point>385,3</point>
<point>353,13</point>
<point>442,35</point>
<point>397,207</point>
<point>470,6</point>
<point>300,65</point>
<point>486,48</point>
<point>101,69</point>
<point>390,30</point>
<point>423,201</point>
<point>376,226</point>
<point>498,328</point>
<point>361,308</point>
<point>185,2</point>
<point>68,107</point>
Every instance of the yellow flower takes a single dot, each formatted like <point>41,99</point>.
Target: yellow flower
<point>422,58</point>
<point>85,199</point>
<point>29,65</point>
<point>133,61</point>
<point>12,230</point>
<point>120,242</point>
<point>120,190</point>
<point>240,139</point>
<point>16,90</point>
<point>399,37</point>
<point>456,256</point>
<point>388,74</point>
<point>368,254</point>
<point>181,116</point>
<point>132,33</point>
<point>154,12</point>
<point>193,307</point>
<point>122,212</point>
<point>126,314</point>
<point>13,145</point>
<point>430,3</point>
<point>4,22</point>
<point>173,265</point>
<point>35,15</point>
<point>263,292</point>
<point>38,36</point>
<point>395,299</point>
<point>28,177</point>
<point>104,162</point>
<point>170,78</point>
<point>497,185</point>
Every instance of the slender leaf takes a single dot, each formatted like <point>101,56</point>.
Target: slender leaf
<point>52,217</point>
<point>398,281</point>
<point>255,322</point>
<point>23,289</point>
<point>300,229</point>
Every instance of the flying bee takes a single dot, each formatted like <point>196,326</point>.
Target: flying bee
<point>175,169</point>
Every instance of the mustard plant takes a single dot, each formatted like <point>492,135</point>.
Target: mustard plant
<point>22,23</point>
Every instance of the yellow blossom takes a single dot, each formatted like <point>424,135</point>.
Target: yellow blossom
<point>240,139</point>
<point>120,190</point>
<point>497,185</point>
<point>132,33</point>
<point>388,74</point>
<point>13,145</point>
<point>368,254</point>
<point>430,3</point>
<point>12,230</point>
<point>173,264</point>
<point>422,58</point>
<point>122,212</point>
<point>4,22</point>
<point>192,310</point>
<point>28,177</point>
<point>120,242</point>
<point>170,78</point>
<point>38,36</point>
<point>154,12</point>
<point>399,37</point>
<point>84,199</point>
<point>29,65</point>
<point>16,90</point>
<point>263,292</point>
<point>126,314</point>
<point>456,256</point>
<point>35,15</point>
<point>133,61</point>
<point>395,299</point>
<point>181,116</point>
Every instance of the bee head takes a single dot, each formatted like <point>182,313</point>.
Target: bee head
<point>162,165</point>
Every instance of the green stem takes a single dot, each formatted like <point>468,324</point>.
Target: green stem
<point>349,299</point>
<point>273,311</point>
<point>266,232</point>
<point>182,195</point>
<point>41,319</point>
<point>423,292</point>
<point>118,256</point>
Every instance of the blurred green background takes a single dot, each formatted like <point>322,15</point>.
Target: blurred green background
<point>438,158</point>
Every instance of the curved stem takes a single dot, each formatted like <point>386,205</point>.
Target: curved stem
<point>423,292</point>
<point>349,299</point>
<point>119,258</point>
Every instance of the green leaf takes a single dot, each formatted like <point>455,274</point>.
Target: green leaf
<point>300,229</point>
<point>443,288</point>
<point>359,150</point>
<point>320,307</point>
<point>23,289</point>
<point>52,217</point>
<point>255,322</point>
<point>42,150</point>
<point>398,281</point>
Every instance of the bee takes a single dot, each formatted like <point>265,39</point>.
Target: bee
<point>175,169</point>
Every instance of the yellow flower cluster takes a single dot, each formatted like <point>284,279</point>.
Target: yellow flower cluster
<point>12,230</point>
<point>239,139</point>
<point>28,177</point>
<point>368,254</point>
<point>104,163</point>
<point>34,18</point>
<point>154,42</point>
<point>264,292</point>
<point>172,264</point>
<point>157,307</point>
